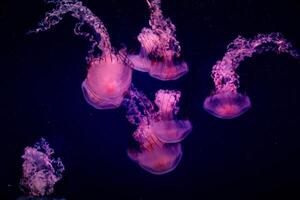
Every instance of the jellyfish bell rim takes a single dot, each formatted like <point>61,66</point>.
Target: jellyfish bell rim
<point>133,155</point>
<point>185,133</point>
<point>157,69</point>
<point>139,63</point>
<point>177,161</point>
<point>244,105</point>
<point>105,105</point>
<point>175,76</point>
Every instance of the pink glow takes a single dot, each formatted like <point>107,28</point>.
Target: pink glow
<point>226,102</point>
<point>40,170</point>
<point>109,75</point>
<point>227,105</point>
<point>107,81</point>
<point>159,47</point>
<point>154,156</point>
<point>158,132</point>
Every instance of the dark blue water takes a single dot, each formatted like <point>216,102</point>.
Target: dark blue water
<point>255,156</point>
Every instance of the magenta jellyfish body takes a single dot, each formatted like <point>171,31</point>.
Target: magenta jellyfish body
<point>159,47</point>
<point>109,75</point>
<point>227,105</point>
<point>106,83</point>
<point>154,156</point>
<point>226,102</point>
<point>40,170</point>
<point>166,127</point>
<point>158,132</point>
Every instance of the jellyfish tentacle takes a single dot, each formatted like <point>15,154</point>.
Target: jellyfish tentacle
<point>80,12</point>
<point>223,72</point>
<point>139,108</point>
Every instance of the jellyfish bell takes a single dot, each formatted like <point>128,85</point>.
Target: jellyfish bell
<point>139,62</point>
<point>107,81</point>
<point>171,131</point>
<point>167,69</point>
<point>227,104</point>
<point>159,160</point>
<point>156,157</point>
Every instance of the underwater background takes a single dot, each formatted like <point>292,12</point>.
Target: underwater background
<point>254,156</point>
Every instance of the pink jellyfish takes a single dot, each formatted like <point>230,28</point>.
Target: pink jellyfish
<point>158,133</point>
<point>40,170</point>
<point>109,75</point>
<point>159,49</point>
<point>226,102</point>
<point>154,156</point>
<point>167,128</point>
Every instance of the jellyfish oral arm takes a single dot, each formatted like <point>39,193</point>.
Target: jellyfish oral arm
<point>80,12</point>
<point>224,71</point>
<point>167,100</point>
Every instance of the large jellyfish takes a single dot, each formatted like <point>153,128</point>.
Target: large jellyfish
<point>225,101</point>
<point>158,132</point>
<point>40,170</point>
<point>109,75</point>
<point>159,49</point>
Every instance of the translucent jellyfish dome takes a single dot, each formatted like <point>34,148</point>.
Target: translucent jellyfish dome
<point>154,156</point>
<point>107,81</point>
<point>227,105</point>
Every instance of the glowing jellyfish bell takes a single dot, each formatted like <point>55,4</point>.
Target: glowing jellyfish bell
<point>159,48</point>
<point>154,156</point>
<point>107,81</point>
<point>109,75</point>
<point>226,102</point>
<point>158,133</point>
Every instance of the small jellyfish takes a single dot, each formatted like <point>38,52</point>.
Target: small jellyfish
<point>159,49</point>
<point>109,75</point>
<point>158,132</point>
<point>166,127</point>
<point>154,156</point>
<point>225,101</point>
<point>40,170</point>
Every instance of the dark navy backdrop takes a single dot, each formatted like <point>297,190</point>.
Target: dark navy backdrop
<point>255,156</point>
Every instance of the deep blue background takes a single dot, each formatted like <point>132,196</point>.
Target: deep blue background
<point>255,156</point>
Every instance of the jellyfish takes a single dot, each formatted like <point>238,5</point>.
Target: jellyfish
<point>160,50</point>
<point>167,128</point>
<point>225,101</point>
<point>154,156</point>
<point>40,170</point>
<point>109,75</point>
<point>158,133</point>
